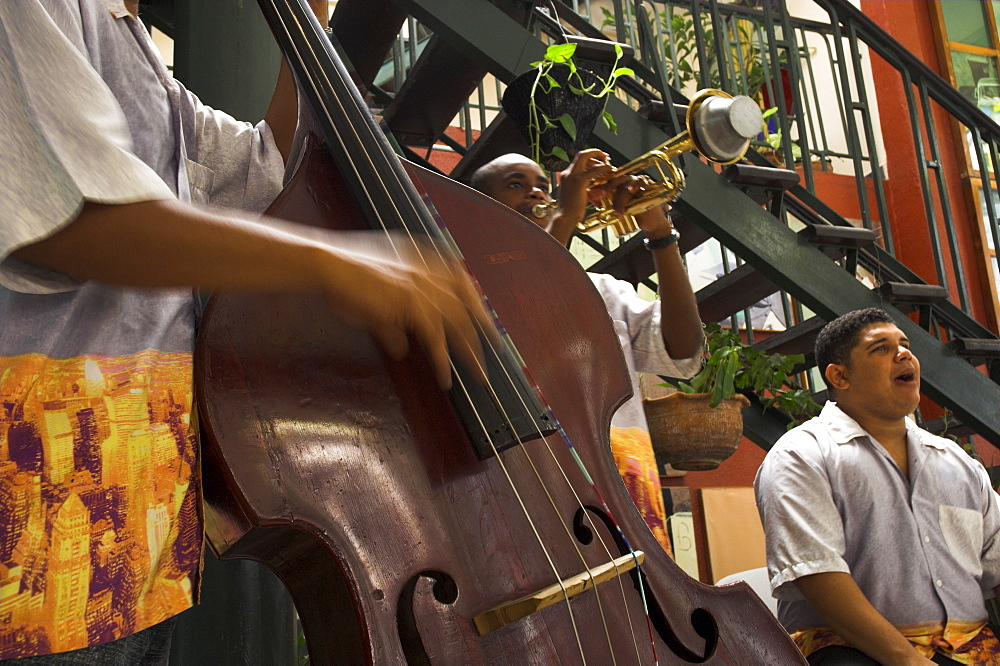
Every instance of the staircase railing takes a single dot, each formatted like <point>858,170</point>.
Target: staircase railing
<point>845,145</point>
<point>800,66</point>
<point>757,48</point>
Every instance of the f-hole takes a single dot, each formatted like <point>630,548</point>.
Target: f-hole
<point>445,592</point>
<point>701,620</point>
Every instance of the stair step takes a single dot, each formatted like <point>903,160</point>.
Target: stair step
<point>499,138</point>
<point>911,296</point>
<point>982,349</point>
<point>630,261</point>
<point>733,292</point>
<point>598,55</point>
<point>838,237</point>
<point>366,30</point>
<point>435,89</point>
<point>439,84</point>
<point>760,176</point>
<point>657,111</point>
<point>799,339</point>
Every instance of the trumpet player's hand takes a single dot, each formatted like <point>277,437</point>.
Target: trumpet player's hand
<point>626,189</point>
<point>574,191</point>
<point>576,179</point>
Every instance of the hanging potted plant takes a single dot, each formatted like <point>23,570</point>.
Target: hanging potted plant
<point>557,104</point>
<point>771,135</point>
<point>701,424</point>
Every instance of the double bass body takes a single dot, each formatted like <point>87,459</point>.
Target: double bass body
<point>350,476</point>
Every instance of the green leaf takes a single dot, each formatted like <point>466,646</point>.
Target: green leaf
<point>623,71</point>
<point>552,82</point>
<point>726,375</point>
<point>560,52</point>
<point>560,153</point>
<point>699,383</point>
<point>568,125</point>
<point>609,122</point>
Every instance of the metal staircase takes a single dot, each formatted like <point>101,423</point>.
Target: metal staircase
<point>816,265</point>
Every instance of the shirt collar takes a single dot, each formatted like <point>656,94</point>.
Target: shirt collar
<point>844,429</point>
<point>117,9</point>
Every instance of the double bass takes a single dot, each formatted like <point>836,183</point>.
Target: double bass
<point>484,525</point>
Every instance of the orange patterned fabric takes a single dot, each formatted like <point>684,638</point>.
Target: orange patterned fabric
<point>636,463</point>
<point>967,643</point>
<point>100,535</point>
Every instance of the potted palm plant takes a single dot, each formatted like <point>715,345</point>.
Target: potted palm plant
<point>701,424</point>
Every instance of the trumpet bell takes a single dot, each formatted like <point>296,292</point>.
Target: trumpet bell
<point>718,127</point>
<point>722,127</point>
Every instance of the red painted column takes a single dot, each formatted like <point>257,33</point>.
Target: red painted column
<point>909,22</point>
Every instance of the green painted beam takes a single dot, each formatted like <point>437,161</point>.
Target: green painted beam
<point>225,54</point>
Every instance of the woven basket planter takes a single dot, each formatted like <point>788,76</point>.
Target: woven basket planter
<point>689,434</point>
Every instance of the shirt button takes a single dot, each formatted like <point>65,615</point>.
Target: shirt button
<point>938,582</point>
<point>927,539</point>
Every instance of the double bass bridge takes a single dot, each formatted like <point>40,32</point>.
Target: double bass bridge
<point>564,590</point>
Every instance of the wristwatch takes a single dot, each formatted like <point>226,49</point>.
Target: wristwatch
<point>661,243</point>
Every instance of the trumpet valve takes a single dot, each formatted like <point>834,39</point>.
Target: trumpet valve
<point>625,224</point>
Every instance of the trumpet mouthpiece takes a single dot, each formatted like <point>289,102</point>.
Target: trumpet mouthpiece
<point>542,210</point>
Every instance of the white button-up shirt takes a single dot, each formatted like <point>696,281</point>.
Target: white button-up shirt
<point>637,324</point>
<point>924,550</point>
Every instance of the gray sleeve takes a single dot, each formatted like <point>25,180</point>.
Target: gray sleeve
<point>642,318</point>
<point>803,530</point>
<point>231,163</point>
<point>65,141</point>
<point>991,534</point>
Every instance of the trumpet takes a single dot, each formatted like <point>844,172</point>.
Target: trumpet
<point>718,126</point>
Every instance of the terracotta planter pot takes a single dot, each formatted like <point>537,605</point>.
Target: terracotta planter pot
<point>689,434</point>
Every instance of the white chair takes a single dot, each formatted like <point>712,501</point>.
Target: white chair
<point>758,581</point>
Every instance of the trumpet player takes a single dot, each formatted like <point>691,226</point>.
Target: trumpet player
<point>662,337</point>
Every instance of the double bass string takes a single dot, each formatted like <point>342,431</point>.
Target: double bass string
<point>537,474</point>
<point>331,126</point>
<point>447,238</point>
<point>442,233</point>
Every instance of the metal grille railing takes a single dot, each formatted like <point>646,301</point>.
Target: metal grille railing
<point>816,72</point>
